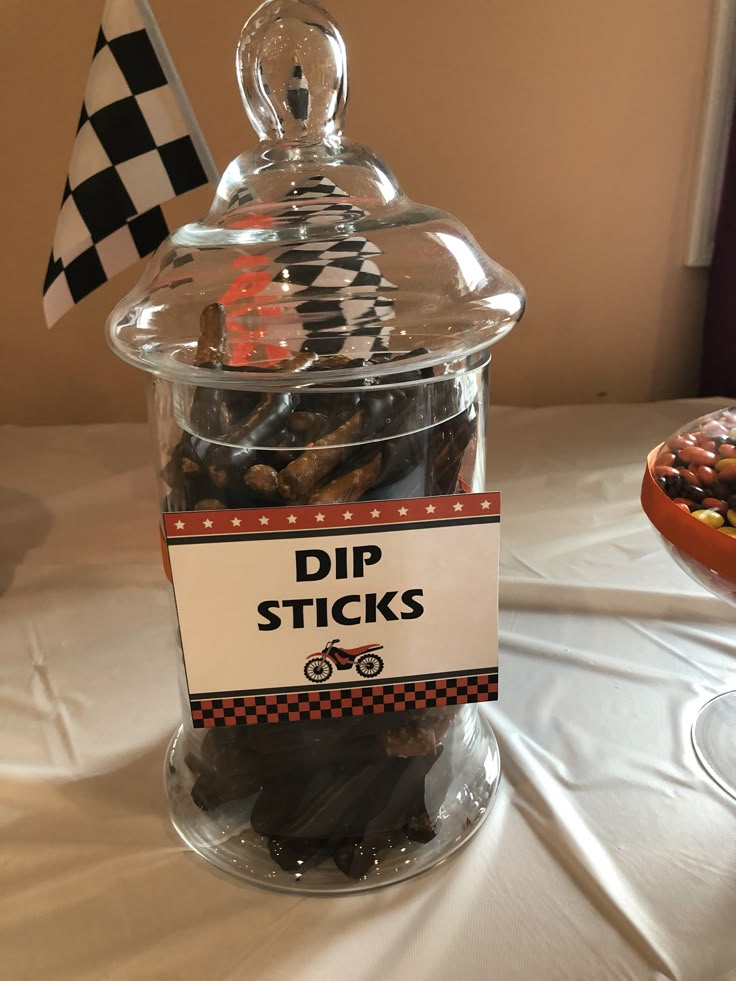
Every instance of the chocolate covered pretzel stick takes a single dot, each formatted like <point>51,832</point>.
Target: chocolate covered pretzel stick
<point>184,472</point>
<point>447,447</point>
<point>326,802</point>
<point>227,461</point>
<point>186,476</point>
<point>381,408</point>
<point>183,465</point>
<point>297,854</point>
<point>420,826</point>
<point>209,504</point>
<point>212,343</point>
<point>224,463</point>
<point>207,403</point>
<point>263,482</point>
<point>309,425</point>
<point>341,802</point>
<point>300,362</point>
<point>287,449</point>
<point>351,787</point>
<point>351,485</point>
<point>299,480</point>
<point>411,740</point>
<point>355,857</point>
<point>338,362</point>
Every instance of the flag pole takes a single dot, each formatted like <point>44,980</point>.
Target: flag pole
<point>172,77</point>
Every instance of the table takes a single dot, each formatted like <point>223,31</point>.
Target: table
<point>609,853</point>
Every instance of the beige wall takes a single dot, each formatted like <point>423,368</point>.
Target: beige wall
<point>563,133</point>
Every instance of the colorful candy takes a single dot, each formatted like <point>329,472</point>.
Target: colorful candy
<point>698,472</point>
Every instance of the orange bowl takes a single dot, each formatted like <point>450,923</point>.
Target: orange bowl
<point>706,553</point>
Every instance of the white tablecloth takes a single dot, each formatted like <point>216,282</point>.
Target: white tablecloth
<point>609,854</point>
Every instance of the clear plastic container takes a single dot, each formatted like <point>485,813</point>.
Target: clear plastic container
<point>319,339</point>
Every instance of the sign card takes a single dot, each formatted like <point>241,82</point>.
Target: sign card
<point>322,611</point>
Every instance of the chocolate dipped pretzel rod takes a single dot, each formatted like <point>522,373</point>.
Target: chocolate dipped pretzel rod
<point>351,486</point>
<point>227,461</point>
<point>345,798</point>
<point>263,482</point>
<point>309,425</point>
<point>184,472</point>
<point>299,480</point>
<point>314,437</point>
<point>447,447</point>
<point>212,343</point>
<point>350,788</point>
<point>208,403</point>
<point>335,802</point>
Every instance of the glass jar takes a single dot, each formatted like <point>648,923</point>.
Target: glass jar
<point>319,347</point>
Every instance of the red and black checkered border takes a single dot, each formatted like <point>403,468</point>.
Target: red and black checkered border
<point>303,706</point>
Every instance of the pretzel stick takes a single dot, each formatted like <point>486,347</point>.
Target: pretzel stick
<point>351,485</point>
<point>300,478</point>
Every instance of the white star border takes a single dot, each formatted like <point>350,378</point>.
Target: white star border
<point>284,519</point>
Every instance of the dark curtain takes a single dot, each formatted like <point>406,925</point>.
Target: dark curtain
<point>718,373</point>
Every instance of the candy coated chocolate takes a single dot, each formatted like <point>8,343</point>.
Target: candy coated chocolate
<point>698,471</point>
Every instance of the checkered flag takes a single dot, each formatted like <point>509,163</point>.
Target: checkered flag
<point>328,206</point>
<point>137,146</point>
<point>336,281</point>
<point>316,270</point>
<point>297,95</point>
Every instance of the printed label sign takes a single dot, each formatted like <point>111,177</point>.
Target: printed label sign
<point>322,611</point>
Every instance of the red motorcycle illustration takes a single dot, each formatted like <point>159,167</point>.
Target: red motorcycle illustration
<point>366,662</point>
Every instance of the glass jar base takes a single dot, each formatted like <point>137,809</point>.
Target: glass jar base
<point>229,842</point>
<point>714,740</point>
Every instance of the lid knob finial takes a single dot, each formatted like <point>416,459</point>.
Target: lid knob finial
<point>292,72</point>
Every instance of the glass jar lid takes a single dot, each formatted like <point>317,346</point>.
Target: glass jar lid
<point>310,244</point>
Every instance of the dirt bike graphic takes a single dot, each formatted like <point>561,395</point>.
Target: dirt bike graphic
<point>366,662</point>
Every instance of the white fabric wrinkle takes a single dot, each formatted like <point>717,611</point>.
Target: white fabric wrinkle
<point>584,597</point>
<point>700,671</point>
<point>47,698</point>
<point>82,869</point>
<point>556,821</point>
<point>414,905</point>
<point>508,556</point>
<point>85,581</point>
<point>586,543</point>
<point>604,664</point>
<point>640,770</point>
<point>708,640</point>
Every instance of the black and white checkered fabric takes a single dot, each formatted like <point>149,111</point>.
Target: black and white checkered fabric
<point>328,209</point>
<point>337,282</point>
<point>317,270</point>
<point>133,151</point>
<point>240,198</point>
<point>297,95</point>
